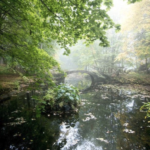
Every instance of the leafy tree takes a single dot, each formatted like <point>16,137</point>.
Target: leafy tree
<point>99,59</point>
<point>24,25</point>
<point>136,48</point>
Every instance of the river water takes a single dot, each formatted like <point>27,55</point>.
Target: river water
<point>109,119</point>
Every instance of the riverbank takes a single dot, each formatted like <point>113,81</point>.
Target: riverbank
<point>133,78</point>
<point>12,80</point>
<point>143,89</point>
<point>13,83</point>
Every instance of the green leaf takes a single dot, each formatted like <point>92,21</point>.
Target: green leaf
<point>61,104</point>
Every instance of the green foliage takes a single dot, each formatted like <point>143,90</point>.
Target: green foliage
<point>49,98</point>
<point>5,70</point>
<point>67,94</point>
<point>26,79</point>
<point>28,29</point>
<point>97,58</point>
<point>146,107</point>
<point>135,48</point>
<point>17,84</point>
<point>60,95</point>
<point>40,105</point>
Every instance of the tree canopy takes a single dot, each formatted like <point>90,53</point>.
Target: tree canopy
<point>136,31</point>
<point>24,25</point>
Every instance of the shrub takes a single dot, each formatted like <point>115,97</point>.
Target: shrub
<point>146,107</point>
<point>67,94</point>
<point>61,98</point>
<point>49,98</point>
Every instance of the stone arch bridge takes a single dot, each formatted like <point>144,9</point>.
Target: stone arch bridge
<point>60,77</point>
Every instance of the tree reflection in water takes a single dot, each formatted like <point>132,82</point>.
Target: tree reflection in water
<point>114,123</point>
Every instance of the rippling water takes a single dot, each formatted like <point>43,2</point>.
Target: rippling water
<point>109,119</point>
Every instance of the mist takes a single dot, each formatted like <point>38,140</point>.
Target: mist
<point>121,55</point>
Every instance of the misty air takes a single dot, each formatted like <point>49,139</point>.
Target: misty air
<point>74,75</point>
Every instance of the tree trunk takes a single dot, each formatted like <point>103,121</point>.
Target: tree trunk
<point>146,64</point>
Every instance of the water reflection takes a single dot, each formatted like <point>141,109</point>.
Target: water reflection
<point>79,80</point>
<point>69,134</point>
<point>109,119</point>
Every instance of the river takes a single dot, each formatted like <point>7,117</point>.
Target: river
<point>108,119</point>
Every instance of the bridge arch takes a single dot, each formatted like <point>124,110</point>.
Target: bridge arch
<point>60,77</point>
<point>84,71</point>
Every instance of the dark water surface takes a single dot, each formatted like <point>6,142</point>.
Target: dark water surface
<point>109,119</point>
